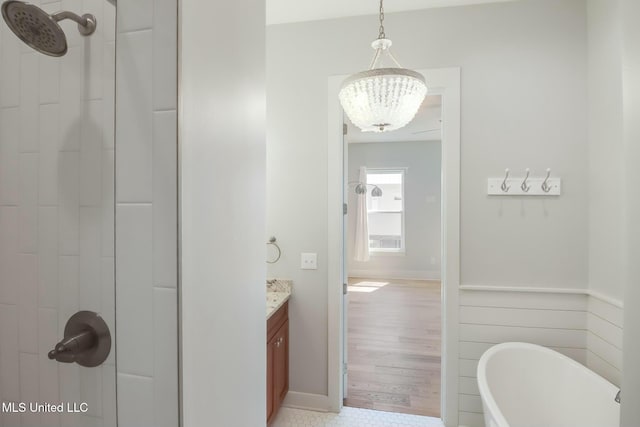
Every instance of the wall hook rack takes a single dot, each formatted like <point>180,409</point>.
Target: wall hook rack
<point>529,185</point>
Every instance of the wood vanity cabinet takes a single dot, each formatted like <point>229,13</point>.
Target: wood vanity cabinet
<point>277,360</point>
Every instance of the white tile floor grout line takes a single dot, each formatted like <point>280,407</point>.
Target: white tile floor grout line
<point>351,417</point>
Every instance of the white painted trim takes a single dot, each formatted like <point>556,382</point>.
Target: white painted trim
<point>382,253</point>
<point>485,288</point>
<point>587,292</point>
<point>445,82</point>
<point>396,274</point>
<point>449,82</point>
<point>335,246</point>
<point>614,302</point>
<point>310,402</point>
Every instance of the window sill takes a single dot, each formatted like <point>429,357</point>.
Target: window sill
<point>378,252</point>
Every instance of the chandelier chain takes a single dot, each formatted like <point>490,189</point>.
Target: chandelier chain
<point>381,34</point>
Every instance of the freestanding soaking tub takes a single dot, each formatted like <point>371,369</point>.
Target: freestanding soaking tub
<point>526,385</point>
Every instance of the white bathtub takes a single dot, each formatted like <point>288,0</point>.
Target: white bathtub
<point>525,385</point>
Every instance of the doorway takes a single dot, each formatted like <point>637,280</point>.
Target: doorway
<point>446,83</point>
<point>392,232</point>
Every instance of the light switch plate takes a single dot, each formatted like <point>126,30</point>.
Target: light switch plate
<point>309,261</point>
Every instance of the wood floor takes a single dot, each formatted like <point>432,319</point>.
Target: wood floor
<point>394,346</point>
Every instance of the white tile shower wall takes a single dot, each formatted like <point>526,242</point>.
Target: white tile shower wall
<point>582,326</point>
<point>56,229</point>
<point>146,213</point>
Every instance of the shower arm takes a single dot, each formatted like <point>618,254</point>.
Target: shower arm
<point>86,23</point>
<point>65,14</point>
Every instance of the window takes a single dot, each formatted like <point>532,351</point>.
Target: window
<point>386,213</point>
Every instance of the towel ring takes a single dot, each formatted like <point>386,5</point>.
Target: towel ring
<point>272,241</point>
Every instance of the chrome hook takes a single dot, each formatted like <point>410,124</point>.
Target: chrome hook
<point>545,184</point>
<point>524,185</point>
<point>504,187</point>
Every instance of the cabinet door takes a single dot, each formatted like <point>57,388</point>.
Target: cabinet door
<point>281,365</point>
<point>270,403</point>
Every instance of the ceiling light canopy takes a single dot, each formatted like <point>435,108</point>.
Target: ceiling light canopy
<point>382,99</point>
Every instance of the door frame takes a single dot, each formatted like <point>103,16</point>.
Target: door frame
<point>444,82</point>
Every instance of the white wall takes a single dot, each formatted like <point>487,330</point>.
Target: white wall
<point>607,252</point>
<point>146,213</point>
<point>614,67</point>
<point>421,204</point>
<point>524,105</point>
<point>607,227</point>
<point>631,84</point>
<point>222,101</point>
<point>56,215</point>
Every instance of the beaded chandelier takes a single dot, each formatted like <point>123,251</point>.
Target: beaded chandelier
<point>382,99</point>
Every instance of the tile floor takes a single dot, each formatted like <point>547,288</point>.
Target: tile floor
<point>351,417</point>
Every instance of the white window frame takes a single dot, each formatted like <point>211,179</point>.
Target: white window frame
<point>402,249</point>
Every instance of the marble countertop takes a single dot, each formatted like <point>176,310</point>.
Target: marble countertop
<point>278,292</point>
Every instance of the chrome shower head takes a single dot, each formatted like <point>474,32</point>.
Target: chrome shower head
<point>40,30</point>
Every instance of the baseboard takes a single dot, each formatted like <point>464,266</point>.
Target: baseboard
<point>308,401</point>
<point>397,275</point>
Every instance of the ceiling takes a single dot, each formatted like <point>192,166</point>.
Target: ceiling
<point>424,127</point>
<point>284,11</point>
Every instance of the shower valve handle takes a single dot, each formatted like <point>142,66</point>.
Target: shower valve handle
<point>87,341</point>
<point>67,349</point>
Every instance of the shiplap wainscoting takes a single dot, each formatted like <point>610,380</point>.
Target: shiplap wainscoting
<point>585,327</point>
<point>604,337</point>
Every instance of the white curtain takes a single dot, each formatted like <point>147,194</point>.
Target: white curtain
<point>361,244</point>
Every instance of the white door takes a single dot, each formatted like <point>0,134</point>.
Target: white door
<point>344,266</point>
